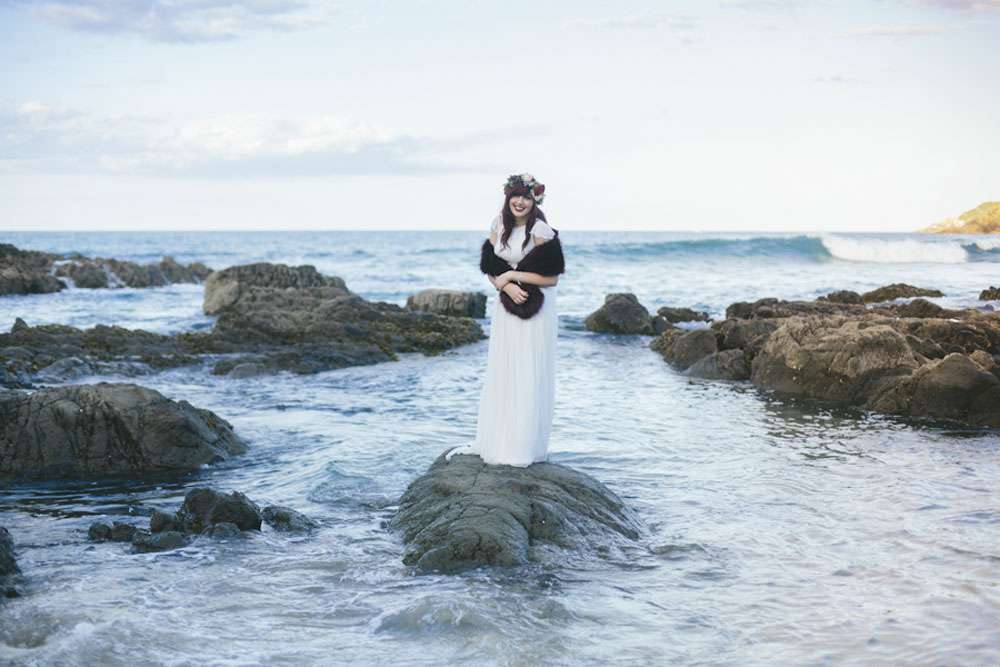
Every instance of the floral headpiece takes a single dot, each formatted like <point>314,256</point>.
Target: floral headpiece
<point>528,181</point>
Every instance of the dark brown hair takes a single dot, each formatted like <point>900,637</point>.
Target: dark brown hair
<point>507,218</point>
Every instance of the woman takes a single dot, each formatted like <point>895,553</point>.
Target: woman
<point>518,395</point>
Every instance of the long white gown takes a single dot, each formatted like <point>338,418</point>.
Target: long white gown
<point>518,396</point>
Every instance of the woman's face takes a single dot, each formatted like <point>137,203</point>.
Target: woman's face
<point>520,205</point>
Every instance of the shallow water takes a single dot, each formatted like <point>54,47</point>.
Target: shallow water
<point>779,531</point>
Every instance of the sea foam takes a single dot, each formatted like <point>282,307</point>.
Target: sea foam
<point>894,251</point>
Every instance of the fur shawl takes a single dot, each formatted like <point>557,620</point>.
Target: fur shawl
<point>545,259</point>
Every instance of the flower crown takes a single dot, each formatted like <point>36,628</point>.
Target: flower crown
<point>528,181</point>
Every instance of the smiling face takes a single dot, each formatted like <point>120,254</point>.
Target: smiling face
<point>521,206</point>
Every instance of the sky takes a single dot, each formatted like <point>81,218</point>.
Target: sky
<point>724,115</point>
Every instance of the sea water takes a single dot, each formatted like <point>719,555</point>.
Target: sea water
<point>781,531</point>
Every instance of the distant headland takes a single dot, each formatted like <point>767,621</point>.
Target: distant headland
<point>984,219</point>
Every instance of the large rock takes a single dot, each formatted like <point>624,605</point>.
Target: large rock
<point>464,513</point>
<point>831,358</point>
<point>683,348</point>
<point>898,291</point>
<point>27,271</point>
<point>107,428</point>
<point>225,288</point>
<point>620,314</point>
<point>448,302</point>
<point>990,294</point>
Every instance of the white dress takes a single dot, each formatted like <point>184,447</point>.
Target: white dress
<point>518,395</point>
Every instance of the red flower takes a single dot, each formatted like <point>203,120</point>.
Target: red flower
<point>539,189</point>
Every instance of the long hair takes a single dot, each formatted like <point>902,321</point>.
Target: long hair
<point>508,218</point>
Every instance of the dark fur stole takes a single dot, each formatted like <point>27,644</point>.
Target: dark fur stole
<point>545,259</point>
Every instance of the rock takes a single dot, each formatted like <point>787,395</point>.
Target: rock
<point>724,365</point>
<point>245,370</point>
<point>990,294</point>
<point>161,522</point>
<point>674,315</point>
<point>683,348</point>
<point>897,291</point>
<point>660,324</point>
<point>27,271</point>
<point>771,308</point>
<point>105,429</point>
<point>746,335</point>
<point>286,519</point>
<point>144,541</point>
<point>984,219</point>
<point>620,314</point>
<point>98,272</point>
<point>955,388</point>
<point>225,288</point>
<point>100,531</point>
<point>831,358</point>
<point>122,532</point>
<point>222,531</point>
<point>8,561</point>
<point>204,507</point>
<point>65,369</point>
<point>842,296</point>
<point>464,513</point>
<point>448,302</point>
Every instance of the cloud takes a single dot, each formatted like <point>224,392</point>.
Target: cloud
<point>180,20</point>
<point>967,5</point>
<point>894,31</point>
<point>35,137</point>
<point>674,22</point>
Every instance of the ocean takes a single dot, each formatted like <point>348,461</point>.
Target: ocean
<point>782,531</point>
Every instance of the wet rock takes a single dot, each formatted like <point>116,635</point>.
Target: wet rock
<point>160,522</point>
<point>145,542</point>
<point>286,519</point>
<point>122,532</point>
<point>449,302</point>
<point>463,513</point>
<point>724,365</point>
<point>27,271</point>
<point>204,507</point>
<point>100,531</point>
<point>770,308</point>
<point>244,370</point>
<point>8,561</point>
<point>620,314</point>
<point>831,358</point>
<point>675,315</point>
<point>990,294</point>
<point>65,369</point>
<point>843,296</point>
<point>898,291</point>
<point>683,348</point>
<point>107,428</point>
<point>99,272</point>
<point>746,335</point>
<point>223,289</point>
<point>222,531</point>
<point>955,388</point>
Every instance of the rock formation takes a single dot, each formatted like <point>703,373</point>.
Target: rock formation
<point>8,564</point>
<point>107,429</point>
<point>464,513</point>
<point>448,302</point>
<point>984,219</point>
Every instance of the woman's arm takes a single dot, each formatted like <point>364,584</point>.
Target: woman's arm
<point>534,278</point>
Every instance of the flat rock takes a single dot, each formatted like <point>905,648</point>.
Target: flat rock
<point>898,291</point>
<point>105,429</point>
<point>448,302</point>
<point>621,314</point>
<point>464,513</point>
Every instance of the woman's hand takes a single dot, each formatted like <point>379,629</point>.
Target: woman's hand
<point>516,294</point>
<point>504,278</point>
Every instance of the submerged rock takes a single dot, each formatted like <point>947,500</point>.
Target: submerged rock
<point>898,291</point>
<point>621,314</point>
<point>287,520</point>
<point>448,302</point>
<point>464,513</point>
<point>204,507</point>
<point>143,541</point>
<point>106,429</point>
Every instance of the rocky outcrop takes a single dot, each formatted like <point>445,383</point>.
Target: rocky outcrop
<point>8,564</point>
<point>98,272</point>
<point>621,314</point>
<point>842,296</point>
<point>984,219</point>
<point>205,512</point>
<point>107,429</point>
<point>898,291</point>
<point>464,513</point>
<point>223,289</point>
<point>26,271</point>
<point>990,294</point>
<point>912,358</point>
<point>448,302</point>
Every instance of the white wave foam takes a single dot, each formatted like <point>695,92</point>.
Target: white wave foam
<point>885,251</point>
<point>988,244</point>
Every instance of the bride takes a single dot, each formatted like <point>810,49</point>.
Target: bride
<point>518,395</point>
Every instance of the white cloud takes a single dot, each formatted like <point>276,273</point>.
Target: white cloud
<point>968,5</point>
<point>36,137</point>
<point>894,31</point>
<point>182,20</point>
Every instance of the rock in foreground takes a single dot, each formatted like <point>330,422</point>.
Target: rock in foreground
<point>107,429</point>
<point>448,302</point>
<point>464,513</point>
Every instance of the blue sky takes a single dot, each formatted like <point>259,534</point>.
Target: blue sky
<point>737,115</point>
